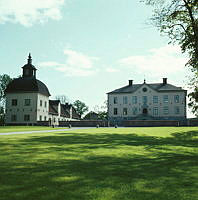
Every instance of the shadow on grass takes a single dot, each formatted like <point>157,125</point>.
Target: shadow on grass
<point>78,166</point>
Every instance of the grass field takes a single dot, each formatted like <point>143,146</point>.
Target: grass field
<point>7,129</point>
<point>101,164</point>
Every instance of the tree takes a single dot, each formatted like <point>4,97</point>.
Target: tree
<point>102,115</point>
<point>63,99</point>
<point>4,81</point>
<point>193,95</point>
<point>91,116</point>
<point>80,107</point>
<point>178,19</point>
<point>101,111</point>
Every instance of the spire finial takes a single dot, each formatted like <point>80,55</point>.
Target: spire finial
<point>29,59</point>
<point>144,79</point>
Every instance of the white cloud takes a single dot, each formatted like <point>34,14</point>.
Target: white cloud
<point>28,12</point>
<point>77,64</point>
<point>111,70</point>
<point>159,61</point>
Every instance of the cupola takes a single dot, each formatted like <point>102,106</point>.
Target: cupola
<point>29,71</point>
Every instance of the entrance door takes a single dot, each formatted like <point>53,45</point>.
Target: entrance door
<point>50,121</point>
<point>145,111</point>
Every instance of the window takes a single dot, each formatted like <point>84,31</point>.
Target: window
<point>176,98</point>
<point>26,117</point>
<point>144,99</point>
<point>165,98</point>
<point>115,111</point>
<point>165,110</point>
<point>40,117</point>
<point>45,104</point>
<point>13,118</point>
<point>14,102</point>
<point>27,102</point>
<point>124,111</point>
<point>155,111</point>
<point>177,110</point>
<point>115,100</point>
<point>41,102</point>
<point>155,99</point>
<point>125,100</point>
<point>134,110</point>
<point>27,72</point>
<point>45,118</point>
<point>144,89</point>
<point>134,99</point>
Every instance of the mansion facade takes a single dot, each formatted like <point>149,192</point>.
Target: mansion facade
<point>27,101</point>
<point>147,101</point>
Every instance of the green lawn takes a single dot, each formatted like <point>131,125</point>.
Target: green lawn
<point>101,164</point>
<point>7,129</point>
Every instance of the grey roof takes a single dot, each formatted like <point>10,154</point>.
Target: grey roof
<point>65,111</point>
<point>159,87</point>
<point>53,107</point>
<point>27,84</point>
<point>29,66</point>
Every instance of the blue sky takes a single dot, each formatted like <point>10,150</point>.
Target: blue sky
<point>86,48</point>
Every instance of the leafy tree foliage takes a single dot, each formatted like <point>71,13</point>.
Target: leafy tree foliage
<point>101,111</point>
<point>178,19</point>
<point>4,81</point>
<point>193,95</point>
<point>91,116</point>
<point>102,115</point>
<point>63,99</point>
<point>80,107</point>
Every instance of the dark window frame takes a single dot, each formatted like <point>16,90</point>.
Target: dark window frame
<point>26,118</point>
<point>13,118</point>
<point>27,102</point>
<point>125,111</point>
<point>115,111</point>
<point>14,102</point>
<point>155,99</point>
<point>176,98</point>
<point>115,100</point>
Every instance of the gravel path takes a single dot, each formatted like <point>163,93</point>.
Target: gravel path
<point>46,131</point>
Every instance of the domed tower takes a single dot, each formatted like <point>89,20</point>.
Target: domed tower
<point>27,98</point>
<point>29,71</point>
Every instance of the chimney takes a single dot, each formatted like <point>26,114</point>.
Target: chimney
<point>164,81</point>
<point>130,82</point>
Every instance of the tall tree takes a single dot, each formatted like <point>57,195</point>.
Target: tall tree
<point>193,95</point>
<point>178,19</point>
<point>4,81</point>
<point>63,99</point>
<point>101,111</point>
<point>80,107</point>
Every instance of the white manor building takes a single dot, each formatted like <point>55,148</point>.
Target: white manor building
<point>147,101</point>
<point>27,101</point>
